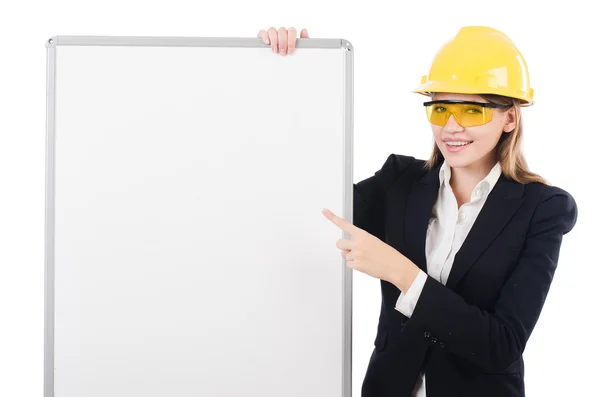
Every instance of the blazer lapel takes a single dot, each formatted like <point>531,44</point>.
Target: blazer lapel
<point>419,208</point>
<point>500,206</point>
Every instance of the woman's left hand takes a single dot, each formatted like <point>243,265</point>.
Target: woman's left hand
<point>368,254</point>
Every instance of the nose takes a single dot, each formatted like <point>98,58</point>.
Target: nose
<point>452,125</point>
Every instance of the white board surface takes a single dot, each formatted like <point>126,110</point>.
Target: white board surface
<point>186,254</point>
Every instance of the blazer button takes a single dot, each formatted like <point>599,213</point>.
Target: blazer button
<point>442,345</point>
<point>427,334</point>
<point>434,339</point>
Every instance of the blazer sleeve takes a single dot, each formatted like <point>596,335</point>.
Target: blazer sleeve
<point>368,195</point>
<point>495,339</point>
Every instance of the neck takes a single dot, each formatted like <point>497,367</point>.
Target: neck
<point>465,179</point>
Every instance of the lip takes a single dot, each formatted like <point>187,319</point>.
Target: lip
<point>455,149</point>
<point>456,140</point>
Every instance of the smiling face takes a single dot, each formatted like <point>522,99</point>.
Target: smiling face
<point>481,140</point>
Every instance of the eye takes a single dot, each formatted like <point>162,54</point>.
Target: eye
<point>439,109</point>
<point>473,111</point>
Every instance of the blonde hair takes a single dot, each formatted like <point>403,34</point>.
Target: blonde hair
<point>508,150</point>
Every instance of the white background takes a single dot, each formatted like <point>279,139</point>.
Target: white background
<point>394,43</point>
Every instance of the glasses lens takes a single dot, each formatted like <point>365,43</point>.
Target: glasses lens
<point>466,115</point>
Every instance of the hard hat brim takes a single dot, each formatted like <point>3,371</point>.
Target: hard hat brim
<point>433,86</point>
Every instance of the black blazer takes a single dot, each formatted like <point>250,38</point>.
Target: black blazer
<point>468,335</point>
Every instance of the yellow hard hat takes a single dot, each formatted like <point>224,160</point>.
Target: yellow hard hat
<point>479,60</point>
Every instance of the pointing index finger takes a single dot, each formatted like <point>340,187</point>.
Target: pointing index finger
<point>340,222</point>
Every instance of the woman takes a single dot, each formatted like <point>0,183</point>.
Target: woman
<point>465,243</point>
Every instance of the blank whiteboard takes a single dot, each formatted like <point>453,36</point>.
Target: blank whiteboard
<point>186,253</point>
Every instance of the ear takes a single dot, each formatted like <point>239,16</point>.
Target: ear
<point>511,120</point>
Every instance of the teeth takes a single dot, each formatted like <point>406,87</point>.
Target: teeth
<point>457,143</point>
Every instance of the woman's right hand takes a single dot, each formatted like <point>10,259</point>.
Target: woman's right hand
<point>282,40</point>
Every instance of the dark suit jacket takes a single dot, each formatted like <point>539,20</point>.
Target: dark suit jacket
<point>468,335</point>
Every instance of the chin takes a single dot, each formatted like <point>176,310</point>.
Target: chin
<point>458,161</point>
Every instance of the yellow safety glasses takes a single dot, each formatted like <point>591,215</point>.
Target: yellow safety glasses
<point>466,114</point>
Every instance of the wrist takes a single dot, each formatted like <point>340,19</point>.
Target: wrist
<point>405,276</point>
